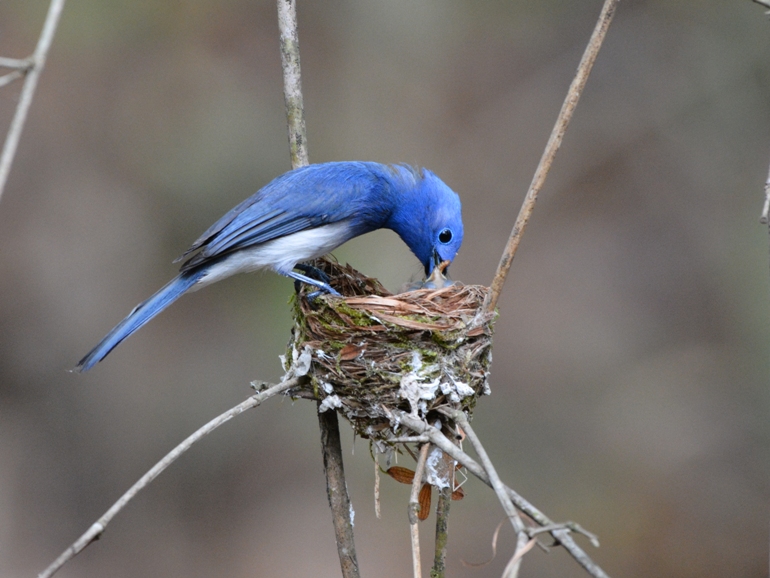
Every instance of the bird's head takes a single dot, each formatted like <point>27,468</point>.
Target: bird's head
<point>428,218</point>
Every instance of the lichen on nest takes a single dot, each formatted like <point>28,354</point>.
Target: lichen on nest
<point>371,352</point>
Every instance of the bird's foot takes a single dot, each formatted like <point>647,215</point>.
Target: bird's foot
<point>323,285</point>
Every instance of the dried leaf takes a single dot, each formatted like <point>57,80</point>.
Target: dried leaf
<point>402,475</point>
<point>351,351</point>
<point>458,494</point>
<point>424,500</point>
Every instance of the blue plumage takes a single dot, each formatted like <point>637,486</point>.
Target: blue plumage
<point>304,214</point>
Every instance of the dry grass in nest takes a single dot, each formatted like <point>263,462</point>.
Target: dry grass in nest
<point>371,352</point>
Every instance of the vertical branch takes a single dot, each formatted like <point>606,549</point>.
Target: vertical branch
<point>292,85</point>
<point>414,510</point>
<point>442,532</point>
<point>36,64</point>
<point>766,207</point>
<point>339,502</point>
<point>336,488</point>
<point>554,142</point>
<point>442,508</point>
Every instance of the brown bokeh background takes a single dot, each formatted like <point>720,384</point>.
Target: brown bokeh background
<point>630,382</point>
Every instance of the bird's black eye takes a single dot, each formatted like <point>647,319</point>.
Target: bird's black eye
<point>445,236</point>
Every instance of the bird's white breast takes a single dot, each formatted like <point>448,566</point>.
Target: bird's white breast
<point>280,254</point>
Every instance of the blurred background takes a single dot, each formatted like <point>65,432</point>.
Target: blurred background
<point>630,385</point>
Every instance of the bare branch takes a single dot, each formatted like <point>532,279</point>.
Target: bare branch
<point>442,532</point>
<point>27,92</point>
<point>100,525</point>
<point>764,219</point>
<point>292,85</point>
<point>414,510</point>
<point>554,142</point>
<point>6,79</point>
<point>561,532</point>
<point>337,491</point>
<point>497,485</point>
<point>22,64</point>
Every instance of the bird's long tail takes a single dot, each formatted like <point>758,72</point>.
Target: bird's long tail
<point>141,314</point>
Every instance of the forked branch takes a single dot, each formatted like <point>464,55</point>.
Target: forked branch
<point>32,67</point>
<point>560,532</point>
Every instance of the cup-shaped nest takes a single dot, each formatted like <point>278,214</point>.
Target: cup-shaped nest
<point>370,352</point>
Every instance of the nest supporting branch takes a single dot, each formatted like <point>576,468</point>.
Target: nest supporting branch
<point>331,448</point>
<point>339,502</point>
<point>560,532</point>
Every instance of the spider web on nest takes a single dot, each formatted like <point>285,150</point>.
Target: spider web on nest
<point>370,351</point>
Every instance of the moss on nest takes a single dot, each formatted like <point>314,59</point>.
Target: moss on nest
<point>370,352</point>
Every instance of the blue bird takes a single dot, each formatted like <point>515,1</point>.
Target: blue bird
<point>304,214</point>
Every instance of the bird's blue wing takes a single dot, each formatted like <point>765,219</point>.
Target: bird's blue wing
<point>302,199</point>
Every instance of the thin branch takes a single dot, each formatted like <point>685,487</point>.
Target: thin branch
<point>442,511</point>
<point>100,525</point>
<point>414,510</point>
<point>442,532</point>
<point>560,532</point>
<point>337,491</point>
<point>497,485</point>
<point>764,3</point>
<point>292,85</point>
<point>554,142</point>
<point>23,64</point>
<point>27,92</point>
<point>408,440</point>
<point>764,219</point>
<point>6,79</point>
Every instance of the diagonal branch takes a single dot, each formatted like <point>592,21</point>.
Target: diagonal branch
<point>522,539</point>
<point>100,525</point>
<point>33,67</point>
<point>560,532</point>
<point>554,142</point>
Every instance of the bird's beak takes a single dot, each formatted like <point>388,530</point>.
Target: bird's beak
<point>437,261</point>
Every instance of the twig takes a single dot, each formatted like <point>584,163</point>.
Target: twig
<point>497,485</point>
<point>512,568</point>
<point>442,532</point>
<point>376,460</point>
<point>10,77</point>
<point>337,491</point>
<point>292,85</point>
<point>339,502</point>
<point>764,219</point>
<point>442,513</point>
<point>554,142</point>
<point>100,525</point>
<point>408,440</point>
<point>414,510</point>
<point>22,64</point>
<point>561,535</point>
<point>37,61</point>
